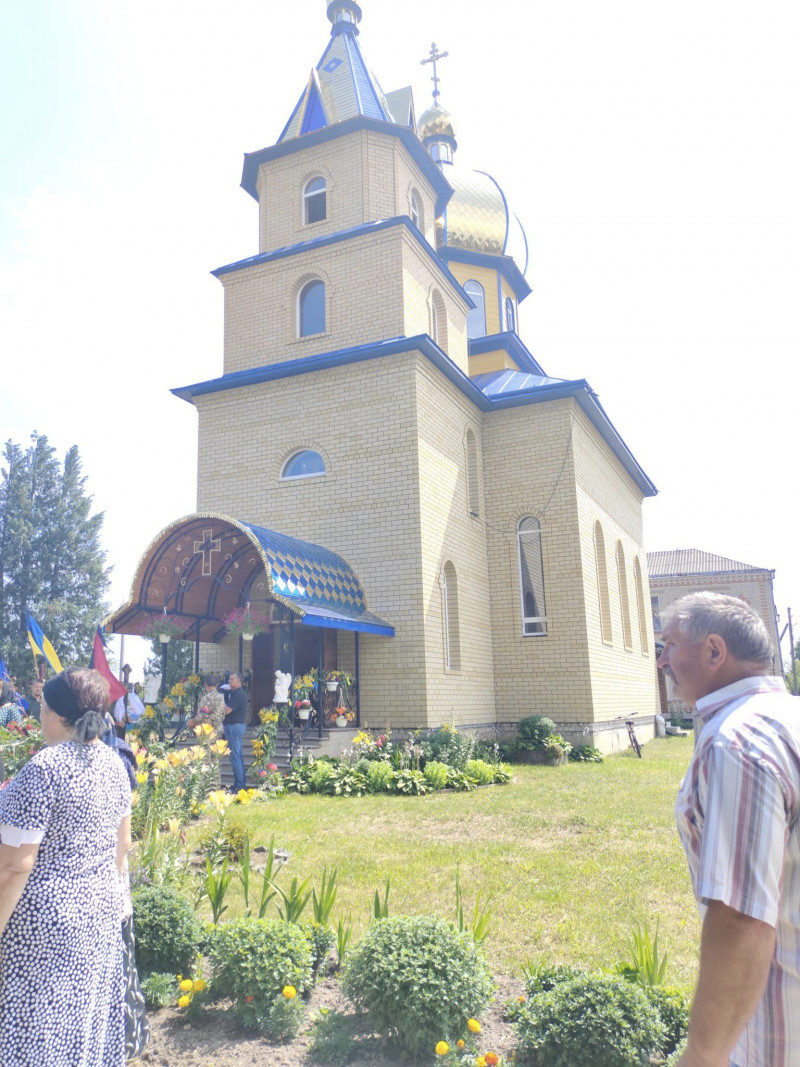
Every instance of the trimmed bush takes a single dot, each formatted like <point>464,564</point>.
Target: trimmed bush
<point>168,932</point>
<point>417,977</point>
<point>676,1055</point>
<point>257,958</point>
<point>590,1021</point>
<point>548,976</point>
<point>435,774</point>
<point>674,1010</point>
<point>534,730</point>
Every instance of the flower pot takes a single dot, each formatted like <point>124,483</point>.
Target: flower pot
<point>247,635</point>
<point>331,686</point>
<point>341,720</point>
<point>164,638</point>
<point>303,713</point>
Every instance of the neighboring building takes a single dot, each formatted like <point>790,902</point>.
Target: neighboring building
<point>689,570</point>
<point>413,496</point>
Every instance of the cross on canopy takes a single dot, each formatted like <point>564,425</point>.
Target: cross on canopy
<point>208,545</point>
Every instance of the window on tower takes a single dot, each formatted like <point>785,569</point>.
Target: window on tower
<point>476,316</point>
<point>441,152</point>
<point>511,317</point>
<point>315,205</point>
<point>311,309</point>
<point>303,464</point>
<point>531,577</point>
<point>416,209</point>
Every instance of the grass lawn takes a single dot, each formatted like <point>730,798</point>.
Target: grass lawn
<point>570,857</point>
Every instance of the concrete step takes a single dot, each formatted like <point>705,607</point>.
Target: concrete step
<point>310,743</point>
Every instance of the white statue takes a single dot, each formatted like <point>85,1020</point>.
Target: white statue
<point>282,683</point>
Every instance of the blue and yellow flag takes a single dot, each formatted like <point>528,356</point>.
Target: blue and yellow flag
<point>41,645</point>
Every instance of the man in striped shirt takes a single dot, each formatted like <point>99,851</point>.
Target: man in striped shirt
<point>738,814</point>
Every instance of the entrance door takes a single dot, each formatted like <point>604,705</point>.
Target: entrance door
<point>263,682</point>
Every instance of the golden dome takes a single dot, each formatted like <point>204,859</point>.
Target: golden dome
<point>435,122</point>
<point>477,218</point>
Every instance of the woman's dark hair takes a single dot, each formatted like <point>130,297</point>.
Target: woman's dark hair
<point>80,697</point>
<point>7,693</point>
<point>211,679</point>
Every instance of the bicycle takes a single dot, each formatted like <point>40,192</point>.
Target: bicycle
<point>637,748</point>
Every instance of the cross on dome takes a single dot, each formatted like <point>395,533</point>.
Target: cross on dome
<point>434,57</point>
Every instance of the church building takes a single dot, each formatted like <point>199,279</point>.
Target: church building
<point>384,469</point>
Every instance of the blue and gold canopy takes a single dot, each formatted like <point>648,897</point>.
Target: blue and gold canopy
<point>201,567</point>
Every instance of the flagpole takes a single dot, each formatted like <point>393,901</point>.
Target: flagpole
<point>121,654</point>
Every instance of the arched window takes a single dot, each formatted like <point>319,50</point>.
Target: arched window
<point>511,315</point>
<point>602,583</point>
<point>473,491</point>
<point>416,209</point>
<point>303,464</point>
<point>637,578</point>
<point>624,603</point>
<point>311,309</point>
<point>315,205</point>
<point>441,152</point>
<point>452,647</point>
<point>476,317</point>
<point>438,320</point>
<point>531,577</point>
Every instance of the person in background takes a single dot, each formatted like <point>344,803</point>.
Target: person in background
<point>128,709</point>
<point>234,727</point>
<point>35,699</point>
<point>738,814</point>
<point>10,709</point>
<point>211,707</point>
<point>64,835</point>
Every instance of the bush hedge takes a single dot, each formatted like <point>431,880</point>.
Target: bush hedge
<point>419,978</point>
<point>168,932</point>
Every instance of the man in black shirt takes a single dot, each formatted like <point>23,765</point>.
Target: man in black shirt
<point>234,726</point>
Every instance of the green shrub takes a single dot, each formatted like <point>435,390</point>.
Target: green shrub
<point>590,1021</point>
<point>435,774</point>
<point>168,932</point>
<point>321,776</point>
<point>674,1010</point>
<point>279,1018</point>
<point>458,781</point>
<point>419,978</point>
<point>257,958</point>
<point>448,745</point>
<point>586,754</point>
<point>379,775</point>
<point>534,730</point>
<point>348,782</point>
<point>502,774</point>
<point>672,1061</point>
<point>159,990</point>
<point>220,841</point>
<point>477,770</point>
<point>321,940</point>
<point>545,977</point>
<point>409,783</point>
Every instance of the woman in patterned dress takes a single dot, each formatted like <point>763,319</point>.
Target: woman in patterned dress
<point>64,834</point>
<point>10,710</point>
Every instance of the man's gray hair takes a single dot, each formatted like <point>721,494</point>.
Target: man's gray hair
<point>234,674</point>
<point>742,630</point>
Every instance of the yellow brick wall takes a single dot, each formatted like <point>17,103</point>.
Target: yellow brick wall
<point>362,419</point>
<point>623,679</point>
<point>449,533</point>
<point>369,177</point>
<point>377,286</point>
<point>488,278</point>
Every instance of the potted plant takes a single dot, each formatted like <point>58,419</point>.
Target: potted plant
<point>246,622</point>
<point>163,627</point>
<point>342,716</point>
<point>302,708</point>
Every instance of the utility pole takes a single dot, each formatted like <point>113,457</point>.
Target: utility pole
<point>794,657</point>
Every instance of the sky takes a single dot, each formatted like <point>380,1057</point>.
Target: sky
<point>649,149</point>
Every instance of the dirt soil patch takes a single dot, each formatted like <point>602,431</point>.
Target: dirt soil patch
<point>217,1041</point>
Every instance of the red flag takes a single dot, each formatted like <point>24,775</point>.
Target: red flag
<point>99,663</point>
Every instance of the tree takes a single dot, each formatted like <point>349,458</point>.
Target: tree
<point>51,562</point>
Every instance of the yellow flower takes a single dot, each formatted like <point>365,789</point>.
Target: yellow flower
<point>186,985</point>
<point>178,690</point>
<point>174,826</point>
<point>179,977</point>
<point>473,1026</point>
<point>243,796</point>
<point>220,748</point>
<point>289,992</point>
<point>442,1048</point>
<point>184,1001</point>
<point>461,1043</point>
<point>480,1062</point>
<point>199,986</point>
<point>149,713</point>
<point>205,729</point>
<point>193,679</point>
<point>141,777</point>
<point>168,703</point>
<point>161,765</point>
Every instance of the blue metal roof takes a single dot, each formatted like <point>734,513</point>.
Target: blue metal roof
<point>502,382</point>
<point>317,580</point>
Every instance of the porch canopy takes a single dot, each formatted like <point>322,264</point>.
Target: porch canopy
<point>201,567</point>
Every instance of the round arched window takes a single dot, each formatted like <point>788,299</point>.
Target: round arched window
<point>304,464</point>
